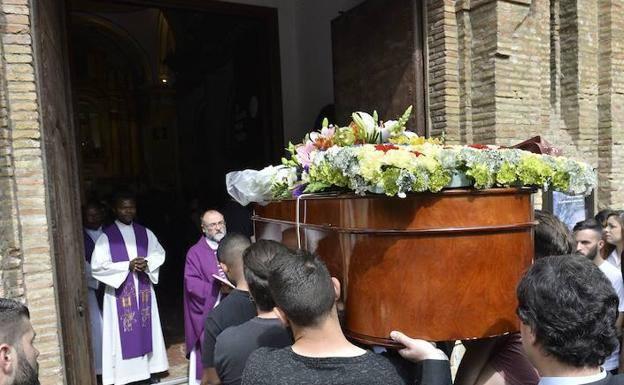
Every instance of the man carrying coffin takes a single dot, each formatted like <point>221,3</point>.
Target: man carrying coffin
<point>127,258</point>
<point>92,219</point>
<point>201,288</point>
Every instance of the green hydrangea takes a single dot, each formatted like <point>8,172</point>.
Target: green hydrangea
<point>482,176</point>
<point>561,181</point>
<point>389,178</point>
<point>439,179</point>
<point>421,182</point>
<point>533,171</point>
<point>506,175</point>
<point>324,173</point>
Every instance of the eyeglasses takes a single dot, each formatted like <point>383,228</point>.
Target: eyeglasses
<point>214,224</point>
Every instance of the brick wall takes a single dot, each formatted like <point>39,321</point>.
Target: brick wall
<point>443,78</point>
<point>26,261</point>
<point>501,71</point>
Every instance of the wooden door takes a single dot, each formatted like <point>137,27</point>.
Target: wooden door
<point>378,61</point>
<point>59,148</point>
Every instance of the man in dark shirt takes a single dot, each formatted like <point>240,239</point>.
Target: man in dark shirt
<point>306,296</point>
<point>235,309</point>
<point>236,343</point>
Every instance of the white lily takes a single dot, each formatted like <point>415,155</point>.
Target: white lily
<point>365,122</point>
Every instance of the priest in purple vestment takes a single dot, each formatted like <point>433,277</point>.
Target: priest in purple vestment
<point>201,289</point>
<point>127,259</point>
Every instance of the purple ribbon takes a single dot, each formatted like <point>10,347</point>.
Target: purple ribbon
<point>89,246</point>
<point>135,322</point>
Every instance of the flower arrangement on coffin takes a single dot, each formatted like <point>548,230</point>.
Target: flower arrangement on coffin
<point>371,156</point>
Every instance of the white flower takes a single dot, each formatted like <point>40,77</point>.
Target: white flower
<point>365,122</point>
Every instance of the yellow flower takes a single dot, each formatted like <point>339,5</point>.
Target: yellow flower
<point>399,158</point>
<point>370,162</point>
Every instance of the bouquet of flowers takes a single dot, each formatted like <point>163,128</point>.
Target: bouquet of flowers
<point>372,156</point>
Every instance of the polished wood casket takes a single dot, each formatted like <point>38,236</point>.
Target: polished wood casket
<point>440,266</point>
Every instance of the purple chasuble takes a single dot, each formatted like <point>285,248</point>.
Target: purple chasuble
<point>135,320</point>
<point>89,245</point>
<point>201,291</point>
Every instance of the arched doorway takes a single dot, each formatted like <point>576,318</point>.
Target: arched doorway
<point>168,100</point>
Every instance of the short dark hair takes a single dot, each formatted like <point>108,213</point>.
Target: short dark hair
<point>92,204</point>
<point>257,262</point>
<point>123,195</point>
<point>552,237</point>
<point>588,224</point>
<point>603,215</point>
<point>302,287</point>
<point>571,307</point>
<point>12,317</point>
<point>231,248</point>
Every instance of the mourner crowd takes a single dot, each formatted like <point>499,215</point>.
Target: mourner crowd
<point>261,313</point>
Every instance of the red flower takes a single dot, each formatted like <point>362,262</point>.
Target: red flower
<point>323,143</point>
<point>479,146</point>
<point>385,147</point>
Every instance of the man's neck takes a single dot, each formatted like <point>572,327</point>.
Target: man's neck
<point>241,284</point>
<point>598,260</point>
<point>266,314</point>
<point>324,340</point>
<point>549,367</point>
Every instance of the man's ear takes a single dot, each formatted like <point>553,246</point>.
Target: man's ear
<point>224,267</point>
<point>336,283</point>
<point>282,316</point>
<point>601,244</point>
<point>7,359</point>
<point>527,333</point>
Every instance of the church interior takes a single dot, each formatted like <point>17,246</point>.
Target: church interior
<point>167,101</point>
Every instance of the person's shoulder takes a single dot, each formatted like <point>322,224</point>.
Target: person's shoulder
<point>612,272</point>
<point>195,249</point>
<point>267,355</point>
<point>224,308</point>
<point>617,379</point>
<point>262,364</point>
<point>229,336</point>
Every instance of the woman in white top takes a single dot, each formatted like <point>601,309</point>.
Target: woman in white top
<point>613,236</point>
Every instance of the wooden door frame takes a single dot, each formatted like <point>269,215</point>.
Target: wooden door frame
<point>63,201</point>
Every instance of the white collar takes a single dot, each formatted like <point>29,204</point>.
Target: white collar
<point>573,380</point>
<point>94,233</point>
<point>121,224</point>
<point>616,258</point>
<point>212,244</point>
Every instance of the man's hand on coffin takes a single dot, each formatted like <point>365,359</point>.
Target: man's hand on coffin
<point>138,264</point>
<point>417,350</point>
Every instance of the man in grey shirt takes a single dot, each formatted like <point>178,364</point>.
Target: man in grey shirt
<point>236,343</point>
<point>306,295</point>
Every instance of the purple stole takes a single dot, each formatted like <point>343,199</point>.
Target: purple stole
<point>89,245</point>
<point>135,322</point>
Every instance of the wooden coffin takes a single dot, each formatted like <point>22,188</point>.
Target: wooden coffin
<point>436,266</point>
